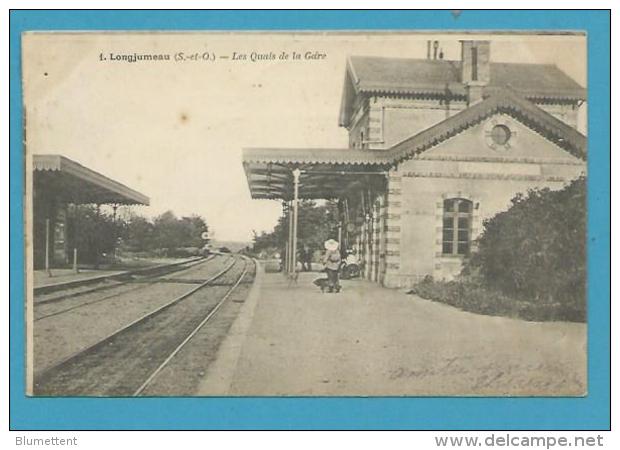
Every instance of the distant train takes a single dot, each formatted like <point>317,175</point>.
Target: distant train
<point>209,249</point>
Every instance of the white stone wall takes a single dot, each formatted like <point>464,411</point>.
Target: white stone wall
<point>396,119</point>
<point>462,167</point>
<point>386,121</point>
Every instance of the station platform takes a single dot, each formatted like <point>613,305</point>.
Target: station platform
<point>68,278</point>
<point>42,279</point>
<point>372,341</point>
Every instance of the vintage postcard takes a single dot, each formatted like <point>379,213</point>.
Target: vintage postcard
<point>305,213</point>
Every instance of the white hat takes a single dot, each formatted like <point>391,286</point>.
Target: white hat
<point>331,245</point>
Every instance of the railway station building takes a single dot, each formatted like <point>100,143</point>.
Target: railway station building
<point>59,182</point>
<point>435,148</point>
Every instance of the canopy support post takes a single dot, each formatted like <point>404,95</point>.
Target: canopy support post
<point>98,227</point>
<point>296,174</point>
<point>47,248</point>
<point>115,244</point>
<point>340,222</point>
<point>74,238</point>
<point>289,244</point>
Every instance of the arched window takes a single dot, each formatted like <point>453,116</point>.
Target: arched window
<point>457,213</point>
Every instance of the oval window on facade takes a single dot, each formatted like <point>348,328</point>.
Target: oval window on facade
<point>500,134</point>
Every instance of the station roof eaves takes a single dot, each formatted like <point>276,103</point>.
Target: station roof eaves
<point>96,188</point>
<point>325,172</point>
<point>269,169</point>
<point>313,156</point>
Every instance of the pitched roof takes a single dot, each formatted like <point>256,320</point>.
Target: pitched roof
<point>73,182</point>
<point>400,75</point>
<point>407,76</point>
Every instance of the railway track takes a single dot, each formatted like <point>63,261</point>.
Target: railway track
<point>127,361</point>
<point>60,304</point>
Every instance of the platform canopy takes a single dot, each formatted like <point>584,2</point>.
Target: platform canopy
<point>69,181</point>
<point>324,173</point>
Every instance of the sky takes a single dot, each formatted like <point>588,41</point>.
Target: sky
<point>174,130</point>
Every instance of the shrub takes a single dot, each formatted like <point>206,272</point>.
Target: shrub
<point>530,260</point>
<point>536,250</point>
<point>474,297</point>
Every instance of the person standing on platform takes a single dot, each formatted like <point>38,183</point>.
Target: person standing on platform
<point>306,258</point>
<point>332,264</point>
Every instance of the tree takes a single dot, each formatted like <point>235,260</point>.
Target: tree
<point>537,248</point>
<point>169,232</point>
<point>165,232</point>
<point>92,232</point>
<point>192,228</point>
<point>138,234</point>
<point>315,224</point>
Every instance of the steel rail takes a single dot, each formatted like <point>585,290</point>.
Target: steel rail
<point>211,313</point>
<point>134,323</point>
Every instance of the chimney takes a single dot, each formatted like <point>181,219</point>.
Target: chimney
<point>475,67</point>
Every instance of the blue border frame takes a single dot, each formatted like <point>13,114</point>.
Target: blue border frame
<point>589,413</point>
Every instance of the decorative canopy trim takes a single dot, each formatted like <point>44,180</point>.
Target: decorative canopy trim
<point>303,156</point>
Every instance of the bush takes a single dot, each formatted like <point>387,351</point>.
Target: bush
<point>530,261</point>
<point>474,297</point>
<point>536,250</point>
